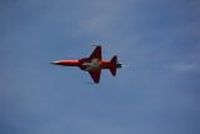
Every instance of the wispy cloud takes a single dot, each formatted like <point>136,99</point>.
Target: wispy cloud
<point>185,67</point>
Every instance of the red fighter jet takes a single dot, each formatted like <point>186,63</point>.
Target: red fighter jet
<point>93,64</point>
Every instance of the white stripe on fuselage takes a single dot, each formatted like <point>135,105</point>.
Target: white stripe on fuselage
<point>93,65</point>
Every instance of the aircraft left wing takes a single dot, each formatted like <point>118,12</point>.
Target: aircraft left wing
<point>96,53</point>
<point>95,75</point>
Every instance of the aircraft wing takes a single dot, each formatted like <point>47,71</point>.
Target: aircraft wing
<point>95,75</point>
<point>96,53</point>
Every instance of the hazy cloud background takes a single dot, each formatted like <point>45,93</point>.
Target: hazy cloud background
<point>158,93</point>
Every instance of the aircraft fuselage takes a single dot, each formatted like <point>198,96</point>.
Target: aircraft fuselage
<point>85,64</point>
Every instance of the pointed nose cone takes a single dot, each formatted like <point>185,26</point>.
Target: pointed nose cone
<point>55,62</point>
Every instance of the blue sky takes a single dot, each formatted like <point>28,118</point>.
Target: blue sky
<point>158,93</point>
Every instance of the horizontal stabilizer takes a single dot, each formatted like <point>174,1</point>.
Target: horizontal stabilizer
<point>113,65</point>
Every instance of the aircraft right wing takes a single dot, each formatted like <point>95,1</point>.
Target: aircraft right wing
<point>95,75</point>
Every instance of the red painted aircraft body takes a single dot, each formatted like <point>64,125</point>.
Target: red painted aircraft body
<point>93,64</point>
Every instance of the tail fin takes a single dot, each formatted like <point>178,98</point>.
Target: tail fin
<point>113,65</point>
